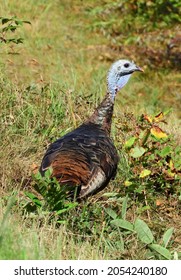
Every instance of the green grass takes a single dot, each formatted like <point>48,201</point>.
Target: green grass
<point>49,85</point>
<point>39,239</point>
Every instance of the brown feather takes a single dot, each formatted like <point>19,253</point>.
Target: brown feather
<point>71,168</point>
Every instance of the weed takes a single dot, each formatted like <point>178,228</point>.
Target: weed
<point>143,232</point>
<point>153,158</point>
<point>10,25</point>
<point>54,196</point>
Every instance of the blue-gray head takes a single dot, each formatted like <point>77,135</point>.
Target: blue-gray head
<point>119,74</point>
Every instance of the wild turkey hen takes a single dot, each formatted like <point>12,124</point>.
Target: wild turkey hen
<point>86,158</point>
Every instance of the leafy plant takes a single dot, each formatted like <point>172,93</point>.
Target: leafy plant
<point>152,12</point>
<point>9,26</point>
<point>145,235</point>
<point>144,15</point>
<point>143,232</point>
<point>154,158</point>
<point>53,196</point>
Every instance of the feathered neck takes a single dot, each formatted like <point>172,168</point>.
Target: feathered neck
<point>103,113</point>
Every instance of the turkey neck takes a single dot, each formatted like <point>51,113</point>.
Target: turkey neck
<point>103,114</point>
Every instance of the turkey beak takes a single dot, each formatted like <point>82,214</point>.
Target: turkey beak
<point>139,69</point>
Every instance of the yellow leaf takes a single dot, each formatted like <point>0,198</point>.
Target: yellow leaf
<point>144,173</point>
<point>148,118</point>
<point>170,173</point>
<point>127,183</point>
<point>171,164</point>
<point>158,132</point>
<point>159,117</point>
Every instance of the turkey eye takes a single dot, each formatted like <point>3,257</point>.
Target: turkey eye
<point>126,65</point>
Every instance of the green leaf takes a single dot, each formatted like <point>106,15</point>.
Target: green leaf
<point>165,151</point>
<point>144,173</point>
<point>18,22</point>
<point>143,209</point>
<point>167,236</point>
<point>66,208</point>
<point>48,172</point>
<point>16,41</point>
<point>143,231</point>
<point>13,28</point>
<point>122,224</point>
<point>34,198</point>
<point>5,20</point>
<point>129,143</point>
<point>124,208</point>
<point>137,152</point>
<point>19,41</point>
<point>139,189</point>
<point>111,213</point>
<point>161,250</point>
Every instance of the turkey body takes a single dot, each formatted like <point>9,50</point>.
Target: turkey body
<point>85,158</point>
